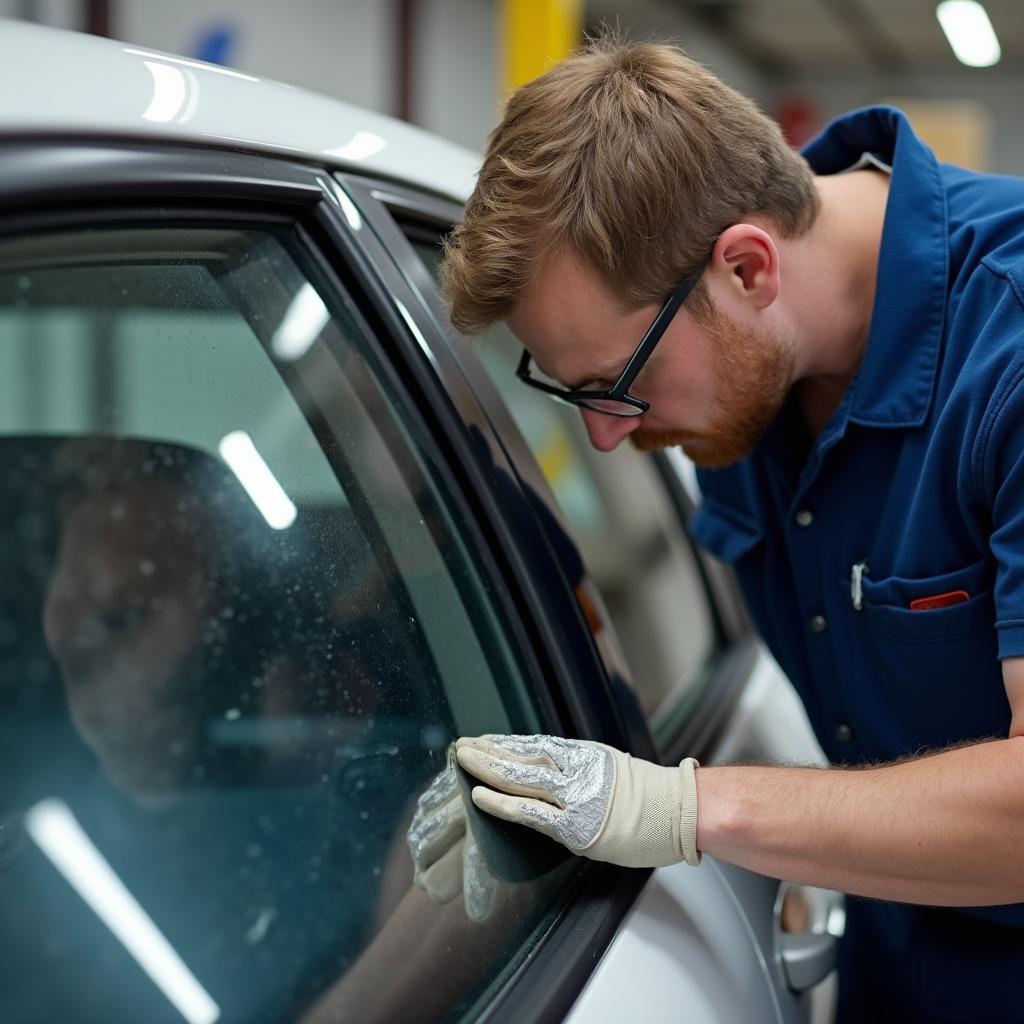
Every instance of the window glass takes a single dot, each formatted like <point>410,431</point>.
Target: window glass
<point>629,533</point>
<point>239,628</point>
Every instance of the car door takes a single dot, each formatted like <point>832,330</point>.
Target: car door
<point>265,563</point>
<point>268,559</point>
<point>679,641</point>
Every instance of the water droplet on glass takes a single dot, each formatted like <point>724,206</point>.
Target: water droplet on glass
<point>434,737</point>
<point>259,927</point>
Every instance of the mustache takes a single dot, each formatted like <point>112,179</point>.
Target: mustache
<point>655,440</point>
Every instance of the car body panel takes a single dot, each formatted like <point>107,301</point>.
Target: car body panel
<point>685,944</point>
<point>71,84</point>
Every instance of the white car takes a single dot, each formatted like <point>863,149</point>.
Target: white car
<point>274,538</point>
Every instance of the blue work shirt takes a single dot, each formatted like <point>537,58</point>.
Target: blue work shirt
<point>917,478</point>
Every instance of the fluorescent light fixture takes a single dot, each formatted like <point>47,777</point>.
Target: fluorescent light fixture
<point>239,452</point>
<point>56,832</point>
<point>969,31</point>
<point>190,63</point>
<point>361,146</point>
<point>303,321</point>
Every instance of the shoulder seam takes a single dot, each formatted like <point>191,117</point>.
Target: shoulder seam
<point>988,423</point>
<point>987,429</point>
<point>1005,273</point>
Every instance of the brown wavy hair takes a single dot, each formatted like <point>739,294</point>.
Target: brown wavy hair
<point>633,158</point>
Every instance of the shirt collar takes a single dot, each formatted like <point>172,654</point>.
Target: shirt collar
<point>895,382</point>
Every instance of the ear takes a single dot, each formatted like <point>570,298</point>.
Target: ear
<point>746,261</point>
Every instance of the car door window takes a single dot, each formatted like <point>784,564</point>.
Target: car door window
<point>241,621</point>
<point>628,531</point>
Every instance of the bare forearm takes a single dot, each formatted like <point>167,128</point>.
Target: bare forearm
<point>946,829</point>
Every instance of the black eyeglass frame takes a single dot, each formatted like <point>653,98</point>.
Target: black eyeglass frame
<point>619,391</point>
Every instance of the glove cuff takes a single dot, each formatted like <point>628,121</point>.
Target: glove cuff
<point>688,816</point>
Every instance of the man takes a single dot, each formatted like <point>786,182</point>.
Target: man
<point>834,339</point>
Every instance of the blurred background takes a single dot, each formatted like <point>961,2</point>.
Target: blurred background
<point>447,64</point>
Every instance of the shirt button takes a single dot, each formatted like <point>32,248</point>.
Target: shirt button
<point>804,517</point>
<point>818,624</point>
<point>844,733</point>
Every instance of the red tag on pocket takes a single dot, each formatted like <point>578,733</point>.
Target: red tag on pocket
<point>927,604</point>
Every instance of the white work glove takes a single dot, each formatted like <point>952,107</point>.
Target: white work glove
<point>595,800</point>
<point>445,855</point>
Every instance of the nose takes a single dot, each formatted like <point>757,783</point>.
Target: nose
<point>606,432</point>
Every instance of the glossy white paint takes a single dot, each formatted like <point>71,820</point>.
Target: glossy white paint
<point>70,84</point>
<point>700,944</point>
<point>684,953</point>
<point>769,723</point>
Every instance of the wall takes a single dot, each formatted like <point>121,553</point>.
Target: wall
<point>997,90</point>
<point>341,49</point>
<point>663,21</point>
<point>457,71</point>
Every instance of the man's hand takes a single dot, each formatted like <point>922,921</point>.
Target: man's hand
<point>595,800</point>
<point>446,858</point>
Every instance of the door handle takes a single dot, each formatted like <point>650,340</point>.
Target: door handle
<point>808,958</point>
<point>808,955</point>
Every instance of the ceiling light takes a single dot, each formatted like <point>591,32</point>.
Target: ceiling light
<point>969,31</point>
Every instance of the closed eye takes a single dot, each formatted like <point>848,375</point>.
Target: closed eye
<point>594,384</point>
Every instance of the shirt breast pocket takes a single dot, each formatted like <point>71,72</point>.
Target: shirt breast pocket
<point>936,673</point>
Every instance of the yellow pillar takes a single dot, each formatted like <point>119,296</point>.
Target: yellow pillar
<point>537,34</point>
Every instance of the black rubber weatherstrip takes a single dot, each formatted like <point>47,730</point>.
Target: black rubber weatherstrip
<point>556,971</point>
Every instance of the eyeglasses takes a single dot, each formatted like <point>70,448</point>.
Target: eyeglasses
<point>616,400</point>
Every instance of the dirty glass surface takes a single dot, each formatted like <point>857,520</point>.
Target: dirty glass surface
<point>631,537</point>
<point>239,627</point>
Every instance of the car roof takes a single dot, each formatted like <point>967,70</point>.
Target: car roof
<point>63,84</point>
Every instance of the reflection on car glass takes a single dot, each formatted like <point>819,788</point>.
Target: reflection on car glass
<point>239,627</point>
<point>241,765</point>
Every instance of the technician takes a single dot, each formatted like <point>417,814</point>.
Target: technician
<point>837,339</point>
